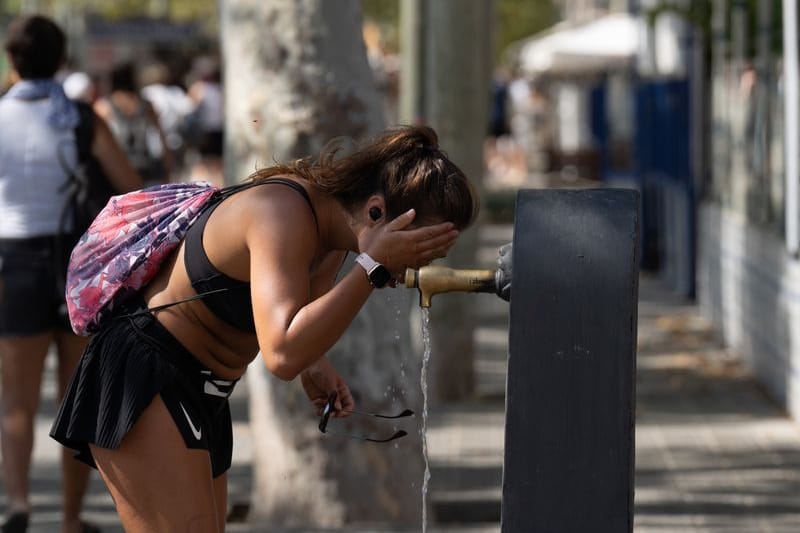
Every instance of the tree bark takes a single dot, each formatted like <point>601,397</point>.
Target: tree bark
<point>457,73</point>
<point>296,76</point>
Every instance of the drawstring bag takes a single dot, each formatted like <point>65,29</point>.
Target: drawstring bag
<point>125,244</point>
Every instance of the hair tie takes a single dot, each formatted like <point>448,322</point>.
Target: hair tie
<point>429,148</point>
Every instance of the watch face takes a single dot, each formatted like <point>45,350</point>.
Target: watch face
<point>379,276</point>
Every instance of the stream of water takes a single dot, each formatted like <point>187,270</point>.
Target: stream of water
<point>423,431</point>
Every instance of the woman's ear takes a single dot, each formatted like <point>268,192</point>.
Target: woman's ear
<point>375,208</point>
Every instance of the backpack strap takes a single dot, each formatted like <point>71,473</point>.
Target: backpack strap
<point>84,135</point>
<point>84,132</point>
<point>222,194</point>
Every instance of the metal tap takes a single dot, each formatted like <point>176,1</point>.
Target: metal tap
<point>432,280</point>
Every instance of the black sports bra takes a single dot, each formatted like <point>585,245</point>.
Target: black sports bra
<point>230,300</point>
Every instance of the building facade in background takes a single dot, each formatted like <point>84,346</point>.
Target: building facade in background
<point>748,267</point>
<point>704,120</point>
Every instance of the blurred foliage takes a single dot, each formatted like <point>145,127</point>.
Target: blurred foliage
<point>202,12</point>
<point>383,10</point>
<point>386,15</point>
<point>700,13</point>
<point>179,10</point>
<point>516,19</point>
<point>697,12</point>
<point>497,207</point>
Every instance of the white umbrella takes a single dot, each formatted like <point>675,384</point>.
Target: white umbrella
<point>608,43</point>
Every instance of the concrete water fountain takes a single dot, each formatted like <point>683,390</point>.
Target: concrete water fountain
<point>569,431</point>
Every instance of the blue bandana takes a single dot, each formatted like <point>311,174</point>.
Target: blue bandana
<point>65,114</point>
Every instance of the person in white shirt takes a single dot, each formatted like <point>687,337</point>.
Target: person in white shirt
<point>35,154</point>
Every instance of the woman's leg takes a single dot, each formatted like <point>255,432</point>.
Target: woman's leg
<point>158,484</point>
<point>75,475</point>
<point>221,499</point>
<point>21,365</point>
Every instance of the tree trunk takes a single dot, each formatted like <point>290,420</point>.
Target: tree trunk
<point>457,73</point>
<point>296,75</point>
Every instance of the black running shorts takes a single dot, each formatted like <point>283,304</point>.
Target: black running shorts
<point>123,368</point>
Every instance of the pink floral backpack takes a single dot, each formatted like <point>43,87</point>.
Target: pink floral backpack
<point>123,248</point>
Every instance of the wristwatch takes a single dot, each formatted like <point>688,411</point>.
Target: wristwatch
<point>377,274</point>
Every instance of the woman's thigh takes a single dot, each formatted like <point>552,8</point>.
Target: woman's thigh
<point>158,484</point>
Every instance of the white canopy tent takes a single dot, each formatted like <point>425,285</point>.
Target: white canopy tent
<point>607,43</point>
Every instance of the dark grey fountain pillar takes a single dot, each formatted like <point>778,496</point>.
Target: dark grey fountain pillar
<point>569,442</point>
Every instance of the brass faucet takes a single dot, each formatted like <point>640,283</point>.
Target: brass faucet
<point>432,280</point>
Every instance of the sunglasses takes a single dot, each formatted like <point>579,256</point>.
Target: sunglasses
<point>328,409</point>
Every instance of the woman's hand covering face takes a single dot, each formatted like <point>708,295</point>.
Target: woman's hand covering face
<point>398,245</point>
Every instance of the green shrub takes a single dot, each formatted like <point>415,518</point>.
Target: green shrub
<point>498,206</point>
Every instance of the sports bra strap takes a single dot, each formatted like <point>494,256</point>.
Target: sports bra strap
<point>226,192</point>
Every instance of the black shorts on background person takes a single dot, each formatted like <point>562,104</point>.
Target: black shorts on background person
<point>32,286</point>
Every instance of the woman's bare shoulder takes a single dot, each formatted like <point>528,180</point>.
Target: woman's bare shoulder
<point>269,207</point>
<point>276,192</point>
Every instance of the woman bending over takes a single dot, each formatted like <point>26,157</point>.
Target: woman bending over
<point>148,405</point>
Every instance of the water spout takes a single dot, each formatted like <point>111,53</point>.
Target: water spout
<point>434,279</point>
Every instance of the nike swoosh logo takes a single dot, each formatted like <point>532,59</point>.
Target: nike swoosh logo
<point>196,432</point>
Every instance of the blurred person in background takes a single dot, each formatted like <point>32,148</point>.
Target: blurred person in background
<point>38,131</point>
<point>208,120</point>
<point>501,153</point>
<point>80,86</point>
<point>385,68</point>
<point>172,105</point>
<point>135,125</point>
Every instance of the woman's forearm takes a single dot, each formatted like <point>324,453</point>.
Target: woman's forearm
<point>316,327</point>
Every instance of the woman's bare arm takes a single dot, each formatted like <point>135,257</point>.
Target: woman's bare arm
<point>320,379</point>
<point>295,329</point>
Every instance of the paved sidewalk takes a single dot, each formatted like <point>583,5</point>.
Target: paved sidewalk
<point>713,453</point>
